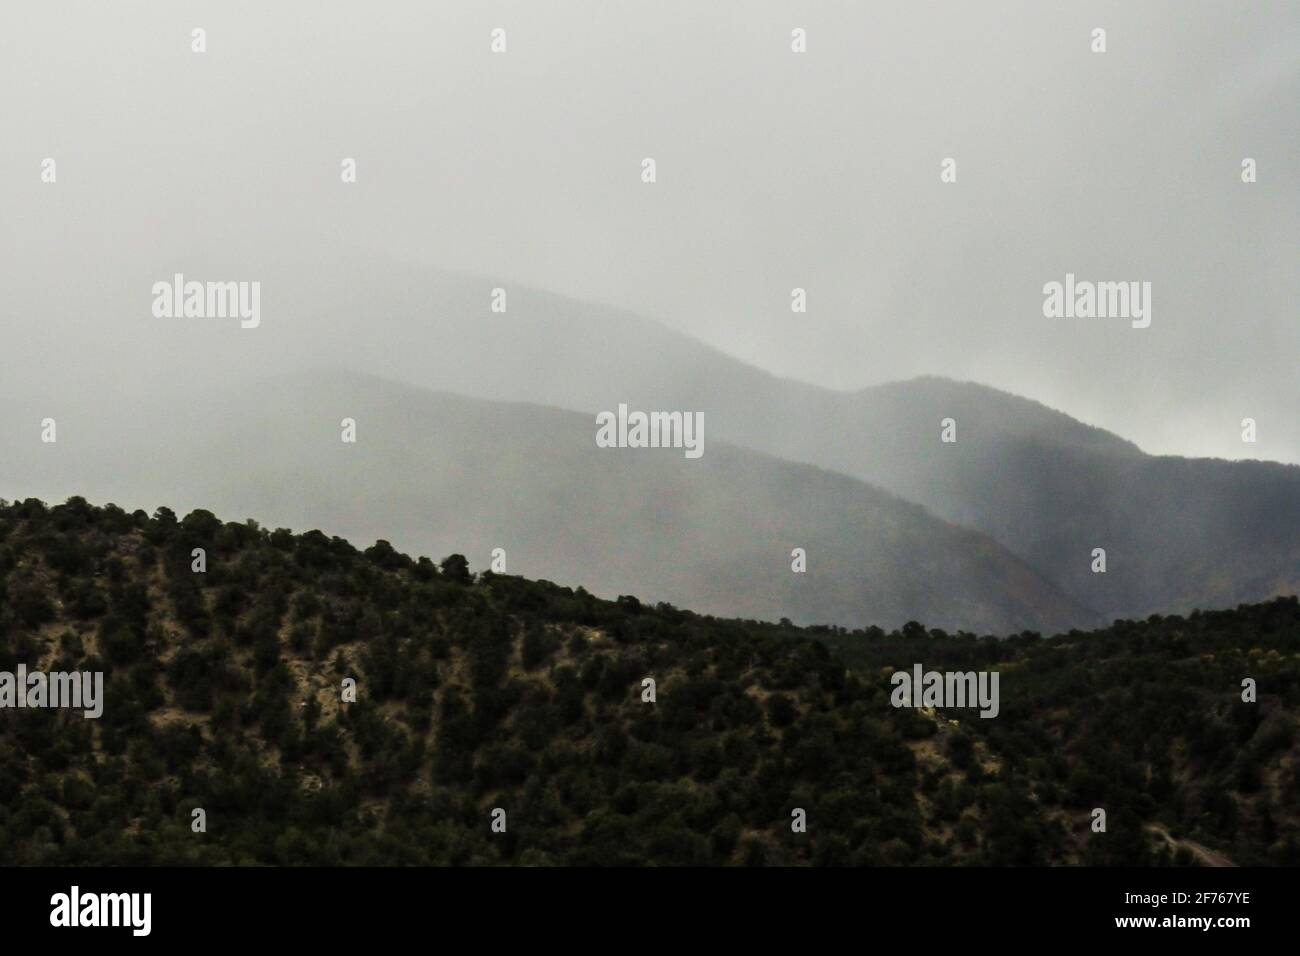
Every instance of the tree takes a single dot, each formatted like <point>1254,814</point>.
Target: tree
<point>456,569</point>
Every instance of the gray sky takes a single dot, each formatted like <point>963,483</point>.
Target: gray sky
<point>775,170</point>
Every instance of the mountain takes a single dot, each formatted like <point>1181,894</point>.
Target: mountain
<point>1177,532</point>
<point>224,691</point>
<point>437,472</point>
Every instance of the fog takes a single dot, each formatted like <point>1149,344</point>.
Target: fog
<point>775,170</point>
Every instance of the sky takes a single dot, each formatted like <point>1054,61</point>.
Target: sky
<point>774,170</point>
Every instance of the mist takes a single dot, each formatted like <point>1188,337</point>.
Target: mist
<point>775,171</point>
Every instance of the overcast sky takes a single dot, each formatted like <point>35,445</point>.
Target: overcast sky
<point>775,170</point>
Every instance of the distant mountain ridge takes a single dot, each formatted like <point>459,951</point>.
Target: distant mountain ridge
<point>1177,532</point>
<point>439,472</point>
<point>1015,414</point>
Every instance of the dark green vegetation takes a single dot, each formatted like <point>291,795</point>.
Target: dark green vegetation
<point>222,692</point>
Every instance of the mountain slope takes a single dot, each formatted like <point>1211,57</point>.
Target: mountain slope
<point>223,692</point>
<point>1177,531</point>
<point>438,472</point>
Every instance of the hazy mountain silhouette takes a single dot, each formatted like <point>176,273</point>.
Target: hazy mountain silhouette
<point>1177,532</point>
<point>439,473</point>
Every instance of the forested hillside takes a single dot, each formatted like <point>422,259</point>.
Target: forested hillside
<point>223,692</point>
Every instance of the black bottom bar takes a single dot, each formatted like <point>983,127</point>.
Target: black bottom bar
<point>553,905</point>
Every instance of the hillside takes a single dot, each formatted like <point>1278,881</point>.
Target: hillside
<point>436,473</point>
<point>1049,488</point>
<point>223,693</point>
